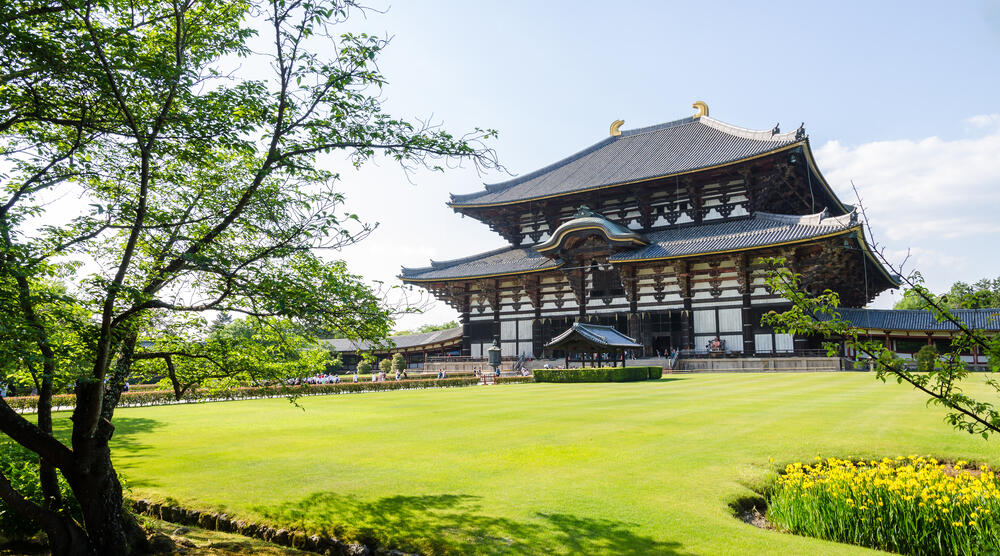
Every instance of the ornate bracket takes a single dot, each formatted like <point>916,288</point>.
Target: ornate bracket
<point>630,282</point>
<point>490,292</point>
<point>715,278</point>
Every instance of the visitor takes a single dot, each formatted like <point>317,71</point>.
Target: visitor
<point>125,387</point>
<point>405,376</point>
<point>336,379</point>
<point>355,376</point>
<point>374,376</point>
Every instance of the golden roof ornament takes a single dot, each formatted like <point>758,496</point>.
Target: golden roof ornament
<point>615,127</point>
<point>702,109</point>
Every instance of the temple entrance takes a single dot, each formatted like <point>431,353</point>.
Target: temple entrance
<point>661,345</point>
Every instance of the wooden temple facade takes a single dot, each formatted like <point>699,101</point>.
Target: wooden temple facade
<point>657,232</point>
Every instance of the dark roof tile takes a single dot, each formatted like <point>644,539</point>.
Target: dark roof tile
<point>405,341</point>
<point>606,336</point>
<point>911,319</point>
<point>756,231</point>
<point>639,154</point>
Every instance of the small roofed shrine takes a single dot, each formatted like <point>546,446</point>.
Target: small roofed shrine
<point>657,232</point>
<point>593,339</point>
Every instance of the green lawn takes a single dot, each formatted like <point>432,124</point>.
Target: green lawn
<point>628,468</point>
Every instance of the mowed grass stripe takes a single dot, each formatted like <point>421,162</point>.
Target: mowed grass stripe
<point>641,468</point>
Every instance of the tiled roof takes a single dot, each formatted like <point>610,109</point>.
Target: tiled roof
<point>404,341</point>
<point>605,336</point>
<point>757,231</point>
<point>506,260</point>
<point>760,230</point>
<point>638,154</point>
<point>898,319</point>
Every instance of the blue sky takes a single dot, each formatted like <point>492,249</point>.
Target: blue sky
<point>903,98</point>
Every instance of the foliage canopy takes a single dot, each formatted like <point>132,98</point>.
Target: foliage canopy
<point>197,186</point>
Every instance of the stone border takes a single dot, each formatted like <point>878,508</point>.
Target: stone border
<point>285,537</point>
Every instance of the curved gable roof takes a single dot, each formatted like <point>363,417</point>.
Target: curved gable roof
<point>635,155</point>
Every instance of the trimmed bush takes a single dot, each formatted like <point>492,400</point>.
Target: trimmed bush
<point>655,373</point>
<point>604,374</point>
<point>513,379</point>
<point>398,362</point>
<point>926,358</point>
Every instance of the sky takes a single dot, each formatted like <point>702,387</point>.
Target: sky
<point>900,98</point>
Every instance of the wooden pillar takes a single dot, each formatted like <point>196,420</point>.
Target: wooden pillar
<point>465,347</point>
<point>687,316</point>
<point>746,311</point>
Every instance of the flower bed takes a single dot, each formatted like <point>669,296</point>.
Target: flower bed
<point>603,374</point>
<point>909,505</point>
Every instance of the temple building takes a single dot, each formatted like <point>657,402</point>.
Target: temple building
<point>657,232</point>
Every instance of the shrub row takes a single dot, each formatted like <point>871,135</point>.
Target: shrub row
<point>164,397</point>
<point>285,537</point>
<point>513,379</point>
<point>604,374</point>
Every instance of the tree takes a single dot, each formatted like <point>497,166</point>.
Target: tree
<point>983,294</point>
<point>385,365</point>
<point>250,351</point>
<point>427,328</point>
<point>201,190</point>
<point>940,377</point>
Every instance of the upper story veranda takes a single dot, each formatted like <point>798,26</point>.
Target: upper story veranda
<point>686,172</point>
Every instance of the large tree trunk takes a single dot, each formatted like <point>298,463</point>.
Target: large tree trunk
<point>110,529</point>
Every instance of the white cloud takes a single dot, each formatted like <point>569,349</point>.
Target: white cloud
<point>914,189</point>
<point>984,121</point>
<point>936,198</point>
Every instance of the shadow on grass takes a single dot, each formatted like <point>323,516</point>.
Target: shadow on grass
<point>128,450</point>
<point>455,524</point>
<point>125,444</point>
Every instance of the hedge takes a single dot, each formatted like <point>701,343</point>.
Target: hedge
<point>513,379</point>
<point>165,397</point>
<point>604,374</point>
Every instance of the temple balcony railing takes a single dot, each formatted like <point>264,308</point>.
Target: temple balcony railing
<point>702,354</point>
